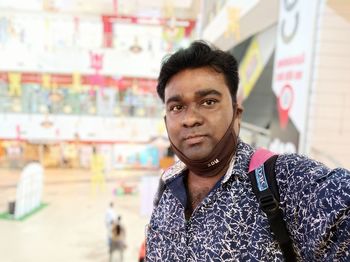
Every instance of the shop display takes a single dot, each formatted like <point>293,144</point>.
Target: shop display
<point>70,76</point>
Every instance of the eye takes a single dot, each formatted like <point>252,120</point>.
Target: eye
<point>209,102</point>
<point>175,108</point>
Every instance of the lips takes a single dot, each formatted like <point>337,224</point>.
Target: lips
<point>194,139</point>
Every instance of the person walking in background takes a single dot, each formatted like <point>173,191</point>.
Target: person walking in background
<point>110,220</point>
<point>209,206</point>
<point>118,243</point>
<point>97,166</point>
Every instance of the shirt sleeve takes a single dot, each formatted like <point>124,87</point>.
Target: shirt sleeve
<point>316,203</point>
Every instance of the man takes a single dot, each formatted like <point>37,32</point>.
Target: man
<point>110,219</point>
<point>207,210</point>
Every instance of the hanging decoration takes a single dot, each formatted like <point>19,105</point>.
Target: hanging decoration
<point>15,88</point>
<point>233,27</point>
<point>76,82</point>
<point>96,80</point>
<point>46,81</point>
<point>107,22</point>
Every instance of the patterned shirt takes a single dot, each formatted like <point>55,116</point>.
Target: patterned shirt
<point>229,225</point>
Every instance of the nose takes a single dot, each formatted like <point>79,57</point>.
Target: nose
<point>192,117</point>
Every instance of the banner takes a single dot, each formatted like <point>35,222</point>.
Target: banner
<point>251,67</point>
<point>293,68</point>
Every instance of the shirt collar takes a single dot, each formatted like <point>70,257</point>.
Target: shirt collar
<point>239,164</point>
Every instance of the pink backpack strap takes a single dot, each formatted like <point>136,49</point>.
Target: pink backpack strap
<point>259,157</point>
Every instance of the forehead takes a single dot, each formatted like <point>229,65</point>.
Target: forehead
<point>189,81</point>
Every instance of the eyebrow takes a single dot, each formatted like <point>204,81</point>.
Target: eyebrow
<point>205,92</point>
<point>175,98</point>
<point>198,94</point>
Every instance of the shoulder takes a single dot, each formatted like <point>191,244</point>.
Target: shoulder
<point>299,175</point>
<point>294,172</point>
<point>315,201</point>
<point>295,166</point>
<point>300,167</point>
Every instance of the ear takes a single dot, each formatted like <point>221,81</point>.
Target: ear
<point>238,118</point>
<point>239,111</point>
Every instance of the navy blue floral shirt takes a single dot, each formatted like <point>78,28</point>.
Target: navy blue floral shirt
<point>230,226</point>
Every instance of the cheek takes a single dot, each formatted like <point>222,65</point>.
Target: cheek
<point>172,130</point>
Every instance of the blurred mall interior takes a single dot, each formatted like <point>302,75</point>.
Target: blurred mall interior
<point>81,124</point>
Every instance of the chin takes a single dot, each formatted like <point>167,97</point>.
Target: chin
<point>196,153</point>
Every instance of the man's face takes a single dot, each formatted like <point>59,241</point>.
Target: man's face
<point>198,110</point>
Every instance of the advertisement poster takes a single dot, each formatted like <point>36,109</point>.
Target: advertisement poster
<point>293,70</point>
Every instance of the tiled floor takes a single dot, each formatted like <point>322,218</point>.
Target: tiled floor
<point>71,228</point>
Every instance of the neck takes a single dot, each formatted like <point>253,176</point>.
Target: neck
<point>196,183</point>
<point>198,187</point>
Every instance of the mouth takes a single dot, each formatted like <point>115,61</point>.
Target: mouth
<point>194,139</point>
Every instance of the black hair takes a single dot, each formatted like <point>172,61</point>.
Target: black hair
<point>199,54</point>
<point>117,227</point>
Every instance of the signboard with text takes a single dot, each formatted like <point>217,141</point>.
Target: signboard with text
<point>293,69</point>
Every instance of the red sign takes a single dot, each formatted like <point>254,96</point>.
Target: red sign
<point>284,104</point>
